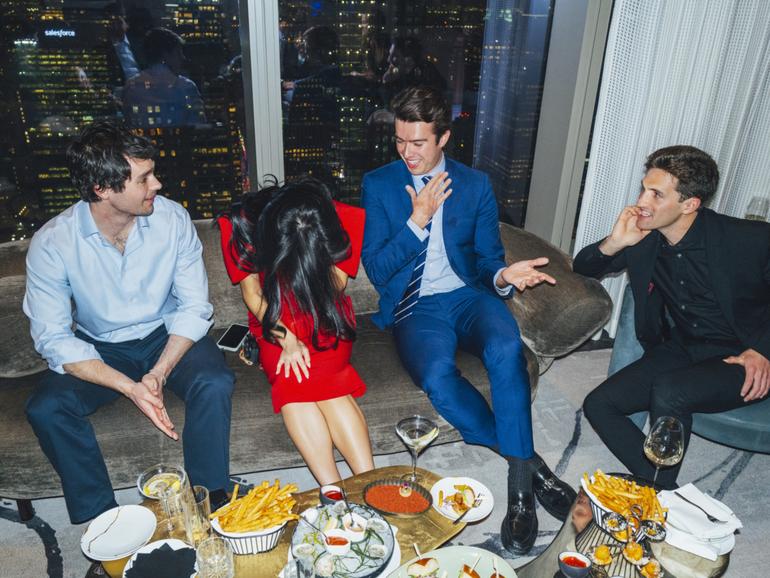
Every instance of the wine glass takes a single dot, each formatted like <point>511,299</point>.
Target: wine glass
<point>215,559</point>
<point>664,445</point>
<point>416,432</point>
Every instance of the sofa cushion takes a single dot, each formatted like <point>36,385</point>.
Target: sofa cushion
<point>17,352</point>
<point>554,320</point>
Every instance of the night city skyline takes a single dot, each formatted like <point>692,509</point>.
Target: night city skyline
<point>61,67</point>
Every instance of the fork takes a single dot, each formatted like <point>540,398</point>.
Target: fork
<point>476,503</point>
<point>711,518</point>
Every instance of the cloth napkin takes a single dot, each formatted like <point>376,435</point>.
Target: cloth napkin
<point>688,528</point>
<point>164,561</point>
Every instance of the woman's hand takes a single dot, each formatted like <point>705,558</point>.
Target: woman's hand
<point>294,357</point>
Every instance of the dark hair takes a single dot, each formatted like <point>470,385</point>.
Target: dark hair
<point>423,104</point>
<point>292,235</point>
<point>696,172</point>
<point>99,157</point>
<point>322,44</point>
<point>159,42</point>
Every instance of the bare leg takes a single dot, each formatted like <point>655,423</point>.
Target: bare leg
<point>349,432</point>
<point>310,433</point>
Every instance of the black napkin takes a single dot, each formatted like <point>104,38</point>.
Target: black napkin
<point>164,561</point>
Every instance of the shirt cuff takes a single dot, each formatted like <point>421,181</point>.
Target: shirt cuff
<point>421,234</point>
<point>186,325</point>
<point>505,292</point>
<point>70,350</point>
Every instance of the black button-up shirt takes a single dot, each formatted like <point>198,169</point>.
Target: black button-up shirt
<point>681,275</point>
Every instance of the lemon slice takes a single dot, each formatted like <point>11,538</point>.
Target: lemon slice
<point>159,482</point>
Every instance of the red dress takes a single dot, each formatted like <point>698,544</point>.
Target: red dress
<point>331,374</point>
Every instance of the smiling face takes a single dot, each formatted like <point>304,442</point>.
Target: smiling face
<point>418,145</point>
<point>661,208</point>
<point>138,194</point>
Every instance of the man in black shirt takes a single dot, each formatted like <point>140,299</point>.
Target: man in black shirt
<point>707,273</point>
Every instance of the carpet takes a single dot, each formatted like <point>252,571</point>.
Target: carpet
<point>48,546</point>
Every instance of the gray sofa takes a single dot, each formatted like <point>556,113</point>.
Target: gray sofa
<point>553,321</point>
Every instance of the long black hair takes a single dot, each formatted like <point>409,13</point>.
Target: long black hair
<point>291,234</point>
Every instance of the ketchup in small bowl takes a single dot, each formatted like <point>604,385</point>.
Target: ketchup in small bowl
<point>574,564</point>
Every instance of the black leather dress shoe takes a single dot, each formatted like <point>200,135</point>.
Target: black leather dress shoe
<point>519,528</point>
<point>553,494</point>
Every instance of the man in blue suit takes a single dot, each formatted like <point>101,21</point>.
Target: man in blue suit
<point>432,249</point>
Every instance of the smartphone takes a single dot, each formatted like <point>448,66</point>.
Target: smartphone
<point>232,339</point>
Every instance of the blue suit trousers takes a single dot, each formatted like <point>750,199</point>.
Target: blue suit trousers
<point>58,411</point>
<point>481,324</point>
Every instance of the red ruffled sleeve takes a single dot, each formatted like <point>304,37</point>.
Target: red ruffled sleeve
<point>225,234</point>
<point>352,220</point>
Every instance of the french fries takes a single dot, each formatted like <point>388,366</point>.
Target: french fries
<point>264,506</point>
<point>618,495</point>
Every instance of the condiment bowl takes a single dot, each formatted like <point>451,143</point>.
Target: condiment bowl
<point>334,536</point>
<point>574,564</point>
<point>330,494</point>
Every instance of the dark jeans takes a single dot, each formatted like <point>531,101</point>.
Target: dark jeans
<point>480,323</point>
<point>59,408</point>
<point>671,379</point>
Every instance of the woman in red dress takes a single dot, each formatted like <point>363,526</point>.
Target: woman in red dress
<point>291,249</point>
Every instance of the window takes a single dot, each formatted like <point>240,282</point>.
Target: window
<point>342,62</point>
<point>171,70</point>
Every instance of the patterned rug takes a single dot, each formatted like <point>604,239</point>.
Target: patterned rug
<point>48,546</point>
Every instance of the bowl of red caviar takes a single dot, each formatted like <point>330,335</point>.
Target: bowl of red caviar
<point>396,497</point>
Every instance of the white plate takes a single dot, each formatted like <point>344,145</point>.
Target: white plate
<point>452,558</point>
<point>448,486</point>
<point>118,533</point>
<point>173,543</point>
<point>395,558</point>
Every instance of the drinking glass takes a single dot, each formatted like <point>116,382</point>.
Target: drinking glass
<point>664,445</point>
<point>215,559</point>
<point>197,515</point>
<point>417,432</point>
<point>173,511</point>
<point>758,209</point>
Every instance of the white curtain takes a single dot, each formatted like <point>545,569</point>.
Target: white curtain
<point>691,72</point>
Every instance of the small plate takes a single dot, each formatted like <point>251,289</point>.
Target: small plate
<point>173,544</point>
<point>448,486</point>
<point>452,558</point>
<point>118,533</point>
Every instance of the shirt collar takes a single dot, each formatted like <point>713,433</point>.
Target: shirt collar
<point>694,238</point>
<point>440,167</point>
<point>87,225</point>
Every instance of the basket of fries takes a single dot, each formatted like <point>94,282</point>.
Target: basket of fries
<point>255,522</point>
<point>625,497</point>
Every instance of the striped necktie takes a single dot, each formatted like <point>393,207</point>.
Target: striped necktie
<point>405,307</point>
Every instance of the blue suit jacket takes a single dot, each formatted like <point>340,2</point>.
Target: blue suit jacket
<point>471,232</point>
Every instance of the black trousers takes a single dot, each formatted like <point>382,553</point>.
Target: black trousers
<point>671,379</point>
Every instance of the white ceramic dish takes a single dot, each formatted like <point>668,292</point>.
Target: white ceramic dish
<point>118,533</point>
<point>452,558</point>
<point>447,485</point>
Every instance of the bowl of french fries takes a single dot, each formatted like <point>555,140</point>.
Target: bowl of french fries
<point>628,498</point>
<point>254,522</point>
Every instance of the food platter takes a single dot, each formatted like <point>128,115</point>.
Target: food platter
<point>371,542</point>
<point>452,559</point>
<point>395,503</point>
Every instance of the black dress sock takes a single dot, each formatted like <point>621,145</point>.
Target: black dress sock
<point>520,474</point>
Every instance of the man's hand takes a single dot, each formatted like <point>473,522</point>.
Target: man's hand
<point>523,274</point>
<point>151,405</point>
<point>757,366</point>
<point>294,357</point>
<point>624,233</point>
<point>155,381</point>
<point>431,197</point>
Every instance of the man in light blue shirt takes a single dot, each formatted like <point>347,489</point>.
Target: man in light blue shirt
<point>432,250</point>
<point>117,298</point>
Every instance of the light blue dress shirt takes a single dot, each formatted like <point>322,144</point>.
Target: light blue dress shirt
<point>76,277</point>
<point>438,275</point>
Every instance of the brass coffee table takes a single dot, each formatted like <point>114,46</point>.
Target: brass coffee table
<point>429,530</point>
